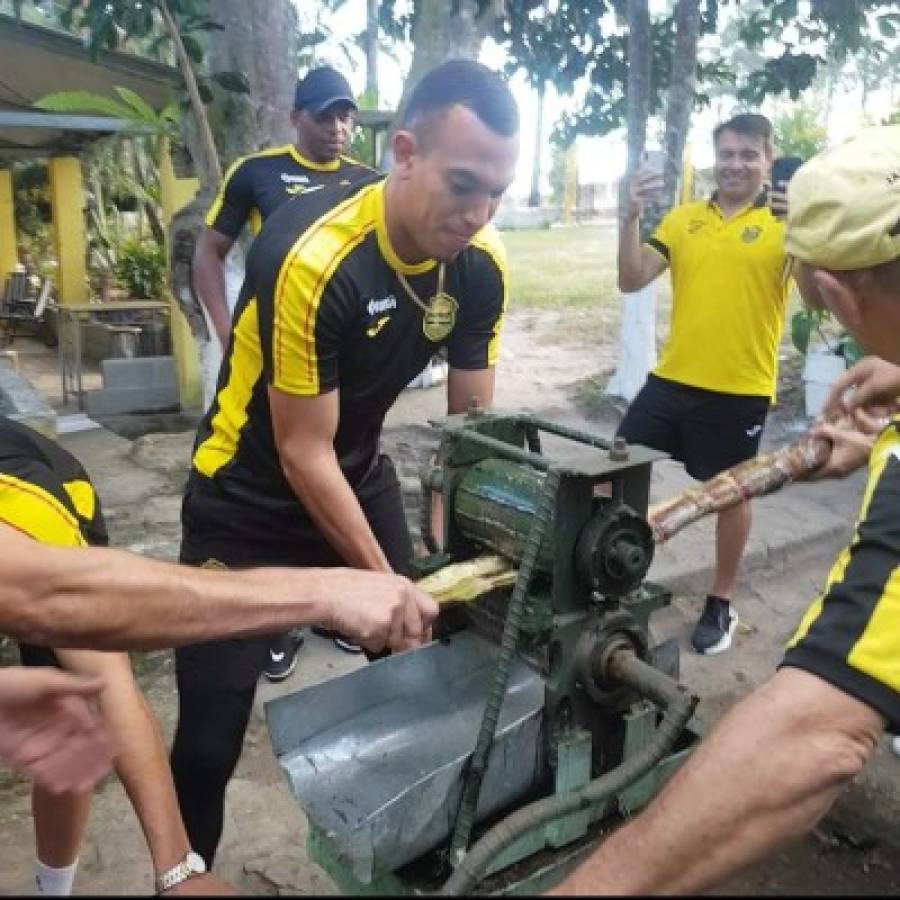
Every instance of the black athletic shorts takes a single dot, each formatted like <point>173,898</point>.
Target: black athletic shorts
<point>708,431</point>
<point>207,540</point>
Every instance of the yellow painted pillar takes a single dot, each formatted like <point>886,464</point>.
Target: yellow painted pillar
<point>174,194</point>
<point>9,255</point>
<point>67,204</point>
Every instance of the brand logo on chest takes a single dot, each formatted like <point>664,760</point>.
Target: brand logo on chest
<point>374,307</point>
<point>294,179</point>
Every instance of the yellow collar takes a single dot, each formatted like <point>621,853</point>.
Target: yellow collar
<point>332,166</point>
<point>384,242</point>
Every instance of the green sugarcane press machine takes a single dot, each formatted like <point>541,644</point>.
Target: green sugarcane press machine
<point>495,758</point>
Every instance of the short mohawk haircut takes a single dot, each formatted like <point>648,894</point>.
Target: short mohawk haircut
<point>465,83</point>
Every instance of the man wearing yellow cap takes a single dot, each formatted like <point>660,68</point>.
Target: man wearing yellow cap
<point>806,733</point>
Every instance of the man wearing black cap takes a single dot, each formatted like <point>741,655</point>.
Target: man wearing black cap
<point>253,188</point>
<point>258,184</point>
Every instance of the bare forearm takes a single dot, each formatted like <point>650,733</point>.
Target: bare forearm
<point>209,285</point>
<point>323,490</point>
<point>110,599</point>
<point>802,739</point>
<point>629,255</point>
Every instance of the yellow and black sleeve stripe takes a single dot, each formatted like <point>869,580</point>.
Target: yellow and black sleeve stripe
<point>300,312</point>
<point>34,511</point>
<point>233,206</point>
<point>850,635</point>
<point>476,345</point>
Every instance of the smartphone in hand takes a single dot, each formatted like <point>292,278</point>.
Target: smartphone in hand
<point>783,169</point>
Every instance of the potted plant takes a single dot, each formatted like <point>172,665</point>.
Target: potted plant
<point>827,357</point>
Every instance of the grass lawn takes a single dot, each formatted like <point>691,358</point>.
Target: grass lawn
<point>562,267</point>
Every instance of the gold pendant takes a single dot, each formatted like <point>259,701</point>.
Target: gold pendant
<point>440,317</point>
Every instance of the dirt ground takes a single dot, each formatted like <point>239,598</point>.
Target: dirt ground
<point>551,363</point>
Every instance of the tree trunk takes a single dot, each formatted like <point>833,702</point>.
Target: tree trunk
<point>447,29</point>
<point>638,86</point>
<point>637,339</point>
<point>260,40</point>
<point>637,331</point>
<point>372,52</point>
<point>534,197</point>
<point>275,33</point>
<point>682,79</point>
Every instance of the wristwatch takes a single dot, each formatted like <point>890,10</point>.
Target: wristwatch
<point>192,864</point>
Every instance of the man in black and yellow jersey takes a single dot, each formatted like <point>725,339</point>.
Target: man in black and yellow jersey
<point>706,402</point>
<point>347,297</point>
<point>258,184</point>
<point>772,768</point>
<point>254,187</point>
<point>46,494</point>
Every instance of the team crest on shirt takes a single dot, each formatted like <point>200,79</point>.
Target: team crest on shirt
<point>750,234</point>
<point>695,225</point>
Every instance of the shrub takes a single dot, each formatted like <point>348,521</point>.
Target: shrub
<point>141,268</point>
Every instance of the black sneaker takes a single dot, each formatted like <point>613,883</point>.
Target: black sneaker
<point>346,645</point>
<point>283,653</point>
<point>715,628</point>
<point>339,640</point>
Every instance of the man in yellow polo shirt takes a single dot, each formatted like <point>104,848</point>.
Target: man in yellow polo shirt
<point>705,404</point>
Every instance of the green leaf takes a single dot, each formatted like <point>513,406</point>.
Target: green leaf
<point>197,24</point>
<point>206,95</point>
<point>192,47</point>
<point>170,113</point>
<point>802,324</point>
<point>236,82</point>
<point>84,102</point>
<point>142,110</point>
<point>850,349</point>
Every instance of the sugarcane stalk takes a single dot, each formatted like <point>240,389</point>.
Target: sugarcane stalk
<point>753,478</point>
<point>464,581</point>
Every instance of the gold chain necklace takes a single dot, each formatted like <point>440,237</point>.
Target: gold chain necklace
<point>439,312</point>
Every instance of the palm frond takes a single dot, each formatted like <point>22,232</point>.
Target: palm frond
<point>84,102</point>
<point>142,111</point>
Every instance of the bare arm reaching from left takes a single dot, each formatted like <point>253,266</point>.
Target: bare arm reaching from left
<point>112,600</point>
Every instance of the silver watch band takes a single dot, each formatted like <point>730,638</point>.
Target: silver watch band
<point>191,865</point>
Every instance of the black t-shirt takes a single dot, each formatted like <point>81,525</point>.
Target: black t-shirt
<point>322,308</point>
<point>256,185</point>
<point>44,491</point>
